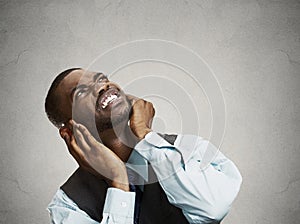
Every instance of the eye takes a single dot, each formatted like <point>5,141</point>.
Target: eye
<point>80,92</point>
<point>102,79</point>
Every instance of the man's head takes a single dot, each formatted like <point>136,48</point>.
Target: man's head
<point>88,97</point>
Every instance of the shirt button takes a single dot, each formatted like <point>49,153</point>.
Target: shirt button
<point>123,204</point>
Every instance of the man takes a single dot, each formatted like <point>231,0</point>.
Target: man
<point>162,182</point>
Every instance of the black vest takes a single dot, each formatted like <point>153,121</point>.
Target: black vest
<point>88,192</point>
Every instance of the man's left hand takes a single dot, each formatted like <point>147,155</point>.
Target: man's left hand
<point>141,116</point>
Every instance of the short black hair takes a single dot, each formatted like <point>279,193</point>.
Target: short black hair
<point>51,102</point>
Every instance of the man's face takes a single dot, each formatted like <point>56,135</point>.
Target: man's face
<point>91,99</point>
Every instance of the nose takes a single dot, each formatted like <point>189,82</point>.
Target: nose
<point>100,88</point>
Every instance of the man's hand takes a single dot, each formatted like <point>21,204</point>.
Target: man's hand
<point>94,156</point>
<point>141,116</point>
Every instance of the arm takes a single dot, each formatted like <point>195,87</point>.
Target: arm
<point>102,162</point>
<point>204,195</point>
<point>118,208</point>
<point>94,156</point>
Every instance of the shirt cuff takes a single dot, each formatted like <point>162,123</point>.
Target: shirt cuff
<point>119,202</point>
<point>148,146</point>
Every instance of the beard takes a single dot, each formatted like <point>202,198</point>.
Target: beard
<point>117,116</point>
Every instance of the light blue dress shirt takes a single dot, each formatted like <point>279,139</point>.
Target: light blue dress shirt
<point>204,195</point>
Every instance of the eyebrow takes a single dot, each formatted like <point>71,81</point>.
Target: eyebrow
<point>97,75</point>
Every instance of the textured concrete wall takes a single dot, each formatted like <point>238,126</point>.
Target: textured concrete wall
<point>252,46</point>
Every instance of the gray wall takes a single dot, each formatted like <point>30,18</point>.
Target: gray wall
<point>252,46</point>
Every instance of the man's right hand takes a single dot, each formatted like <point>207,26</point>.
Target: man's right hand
<point>94,156</point>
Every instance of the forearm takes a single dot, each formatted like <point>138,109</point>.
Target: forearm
<point>118,208</point>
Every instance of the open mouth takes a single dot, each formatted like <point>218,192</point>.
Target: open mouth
<point>107,97</point>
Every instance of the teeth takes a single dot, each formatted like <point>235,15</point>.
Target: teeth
<point>108,100</point>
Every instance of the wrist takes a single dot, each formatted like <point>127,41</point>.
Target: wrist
<point>121,186</point>
<point>120,181</point>
<point>144,133</point>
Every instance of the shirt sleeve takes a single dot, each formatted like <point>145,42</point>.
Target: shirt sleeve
<point>118,208</point>
<point>204,194</point>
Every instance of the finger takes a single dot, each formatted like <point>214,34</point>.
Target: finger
<point>150,108</point>
<point>105,152</point>
<point>69,125</point>
<point>150,123</point>
<point>70,146</point>
<point>76,151</point>
<point>153,110</point>
<point>80,139</point>
<point>88,136</point>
